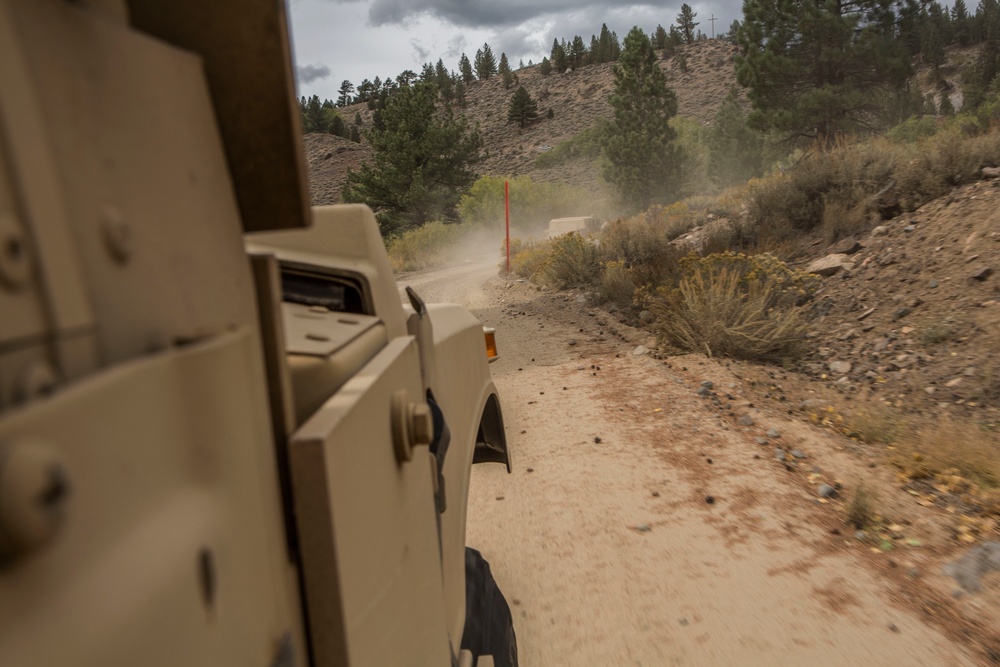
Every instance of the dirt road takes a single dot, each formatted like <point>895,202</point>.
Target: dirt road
<point>640,527</point>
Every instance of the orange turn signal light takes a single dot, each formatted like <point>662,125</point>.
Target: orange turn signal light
<point>491,344</point>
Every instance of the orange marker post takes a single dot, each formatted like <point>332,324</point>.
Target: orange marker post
<point>506,207</point>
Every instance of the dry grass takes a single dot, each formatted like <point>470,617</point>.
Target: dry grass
<point>874,424</point>
<point>948,444</point>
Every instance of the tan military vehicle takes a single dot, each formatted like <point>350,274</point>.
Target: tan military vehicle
<point>223,439</point>
<point>584,225</point>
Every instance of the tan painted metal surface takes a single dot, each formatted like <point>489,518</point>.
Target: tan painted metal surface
<point>196,468</point>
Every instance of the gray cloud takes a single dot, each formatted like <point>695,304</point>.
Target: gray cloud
<point>456,46</point>
<point>419,52</point>
<point>310,73</point>
<point>492,14</point>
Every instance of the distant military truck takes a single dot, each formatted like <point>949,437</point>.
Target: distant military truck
<point>584,225</point>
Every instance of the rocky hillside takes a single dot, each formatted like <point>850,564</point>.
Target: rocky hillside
<point>578,99</point>
<point>910,314</point>
<point>328,158</point>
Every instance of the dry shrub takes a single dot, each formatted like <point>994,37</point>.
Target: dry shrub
<point>846,176</point>
<point>643,248</point>
<point>861,506</point>
<point>528,259</point>
<point>849,215</point>
<point>573,262</point>
<point>616,284</point>
<point>933,166</point>
<point>936,332</point>
<point>671,221</point>
<point>735,305</point>
<point>949,444</point>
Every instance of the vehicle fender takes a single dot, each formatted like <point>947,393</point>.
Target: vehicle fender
<point>464,390</point>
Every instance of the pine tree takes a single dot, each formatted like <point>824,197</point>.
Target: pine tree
<point>643,160</point>
<point>984,74</point>
<point>465,69</point>
<point>616,47</point>
<point>486,64</point>
<point>313,119</point>
<point>357,119</point>
<point>365,89</point>
<point>545,67</point>
<point>605,45</point>
<point>734,32</point>
<point>659,38</point>
<point>577,53</point>
<point>422,162</point>
<point>820,71</point>
<point>335,124</point>
<point>346,88</point>
<point>908,24</point>
<point>938,15</point>
<point>960,21</point>
<point>428,75</point>
<point>674,41</point>
<point>522,108</point>
<point>931,44</point>
<point>559,57</point>
<point>504,70</point>
<point>735,152</point>
<point>687,23</point>
<point>406,78</point>
<point>444,80</point>
<point>355,135</point>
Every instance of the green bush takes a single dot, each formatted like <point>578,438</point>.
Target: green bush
<point>913,129</point>
<point>532,204</point>
<point>424,246</point>
<point>586,144</point>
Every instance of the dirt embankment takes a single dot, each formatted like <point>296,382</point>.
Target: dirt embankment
<point>912,316</point>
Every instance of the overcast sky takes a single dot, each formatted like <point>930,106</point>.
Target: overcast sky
<point>361,39</point>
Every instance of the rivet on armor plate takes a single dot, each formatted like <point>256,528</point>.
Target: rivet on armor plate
<point>34,495</point>
<point>117,234</point>
<point>15,262</point>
